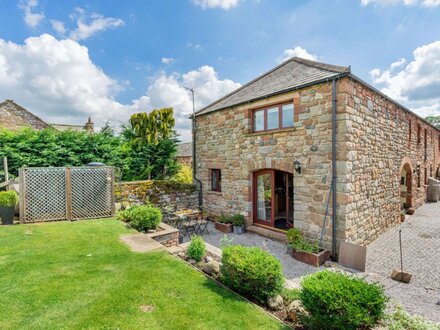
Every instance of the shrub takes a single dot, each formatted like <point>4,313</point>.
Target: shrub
<point>237,220</point>
<point>8,198</point>
<point>196,248</point>
<point>145,217</point>
<point>401,320</point>
<point>338,301</point>
<point>184,174</point>
<point>224,218</point>
<point>252,272</point>
<point>298,242</point>
<point>290,295</point>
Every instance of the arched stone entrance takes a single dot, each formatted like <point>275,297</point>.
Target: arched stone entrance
<point>406,181</point>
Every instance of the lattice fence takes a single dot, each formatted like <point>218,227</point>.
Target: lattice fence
<point>66,193</point>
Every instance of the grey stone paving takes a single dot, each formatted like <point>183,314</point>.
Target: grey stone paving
<point>421,246</point>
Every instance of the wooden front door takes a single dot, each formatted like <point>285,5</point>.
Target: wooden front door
<point>263,184</point>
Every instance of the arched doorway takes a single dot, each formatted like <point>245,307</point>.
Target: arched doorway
<point>273,198</point>
<point>406,175</point>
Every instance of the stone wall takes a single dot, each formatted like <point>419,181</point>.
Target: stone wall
<point>162,194</point>
<point>378,145</point>
<point>225,141</point>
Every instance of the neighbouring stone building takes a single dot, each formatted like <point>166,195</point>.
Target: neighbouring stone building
<point>184,153</point>
<point>13,116</point>
<point>265,151</point>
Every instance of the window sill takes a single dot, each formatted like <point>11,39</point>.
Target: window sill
<point>213,192</point>
<point>290,129</point>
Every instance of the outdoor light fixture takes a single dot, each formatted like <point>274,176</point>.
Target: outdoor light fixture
<point>297,166</point>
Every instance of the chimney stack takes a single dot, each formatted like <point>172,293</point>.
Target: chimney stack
<point>89,126</point>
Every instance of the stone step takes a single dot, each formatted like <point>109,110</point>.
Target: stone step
<point>140,242</point>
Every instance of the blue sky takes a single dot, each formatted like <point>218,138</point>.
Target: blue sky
<point>109,59</point>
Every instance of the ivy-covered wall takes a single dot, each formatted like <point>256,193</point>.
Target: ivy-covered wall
<point>163,194</point>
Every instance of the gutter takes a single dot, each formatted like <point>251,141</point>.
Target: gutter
<point>333,185</point>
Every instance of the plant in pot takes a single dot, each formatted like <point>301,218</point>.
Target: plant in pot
<point>305,251</point>
<point>238,224</point>
<point>8,201</point>
<point>224,224</point>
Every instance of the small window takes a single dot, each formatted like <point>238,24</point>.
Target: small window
<point>418,133</point>
<point>259,120</point>
<point>426,176</point>
<point>216,179</point>
<point>418,177</point>
<point>272,118</point>
<point>287,115</point>
<point>409,133</point>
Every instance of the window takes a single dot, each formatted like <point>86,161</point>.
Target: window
<point>409,133</point>
<point>418,133</point>
<point>426,144</point>
<point>273,117</point>
<point>418,177</point>
<point>426,176</point>
<point>216,179</point>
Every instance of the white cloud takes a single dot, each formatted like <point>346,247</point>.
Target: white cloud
<point>415,84</point>
<point>408,3</point>
<point>58,26</point>
<point>31,18</point>
<point>58,81</point>
<point>169,90</point>
<point>197,47</point>
<point>167,60</point>
<point>299,52</point>
<point>223,4</point>
<point>88,25</point>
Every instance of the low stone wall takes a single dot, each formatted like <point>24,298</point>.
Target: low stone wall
<point>162,194</point>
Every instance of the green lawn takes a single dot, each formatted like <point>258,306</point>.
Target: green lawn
<point>77,275</point>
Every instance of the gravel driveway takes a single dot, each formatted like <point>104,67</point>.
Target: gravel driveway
<point>421,257</point>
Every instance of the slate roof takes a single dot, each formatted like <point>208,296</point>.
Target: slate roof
<point>184,149</point>
<point>293,73</point>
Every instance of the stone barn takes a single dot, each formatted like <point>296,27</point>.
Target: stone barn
<point>310,145</point>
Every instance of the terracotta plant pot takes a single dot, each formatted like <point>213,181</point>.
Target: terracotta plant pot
<point>223,227</point>
<point>314,259</point>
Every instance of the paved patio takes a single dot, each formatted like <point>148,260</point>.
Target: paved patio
<point>421,246</point>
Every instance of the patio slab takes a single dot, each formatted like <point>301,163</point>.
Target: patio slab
<point>140,242</point>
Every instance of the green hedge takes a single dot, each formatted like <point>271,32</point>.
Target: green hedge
<point>338,301</point>
<point>251,271</point>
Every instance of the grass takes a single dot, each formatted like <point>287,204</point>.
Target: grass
<point>78,275</point>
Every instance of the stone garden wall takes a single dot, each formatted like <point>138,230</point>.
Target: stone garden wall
<point>162,194</point>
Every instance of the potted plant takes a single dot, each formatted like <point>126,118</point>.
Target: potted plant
<point>304,251</point>
<point>224,224</point>
<point>238,224</point>
<point>8,201</point>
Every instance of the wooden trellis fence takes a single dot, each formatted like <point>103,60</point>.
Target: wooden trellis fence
<point>66,193</point>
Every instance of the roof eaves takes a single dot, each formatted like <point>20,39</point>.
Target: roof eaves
<point>319,81</point>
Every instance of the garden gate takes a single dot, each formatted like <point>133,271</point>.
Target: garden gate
<point>66,193</point>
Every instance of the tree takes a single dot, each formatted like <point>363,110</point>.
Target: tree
<point>151,127</point>
<point>434,120</point>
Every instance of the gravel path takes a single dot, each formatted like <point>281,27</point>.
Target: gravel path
<point>421,256</point>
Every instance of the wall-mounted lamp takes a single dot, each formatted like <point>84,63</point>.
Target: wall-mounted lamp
<point>297,166</point>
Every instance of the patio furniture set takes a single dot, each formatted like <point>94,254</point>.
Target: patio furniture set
<point>188,222</point>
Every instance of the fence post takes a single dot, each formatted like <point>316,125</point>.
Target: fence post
<point>112,169</point>
<point>68,194</point>
<point>21,193</point>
